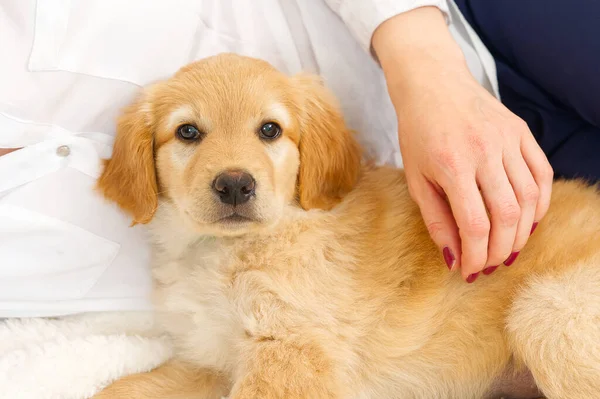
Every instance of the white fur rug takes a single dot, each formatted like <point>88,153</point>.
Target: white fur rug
<point>74,357</point>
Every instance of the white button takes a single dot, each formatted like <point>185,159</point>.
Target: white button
<point>63,151</point>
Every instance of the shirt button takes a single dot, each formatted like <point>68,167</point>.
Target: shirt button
<point>63,151</point>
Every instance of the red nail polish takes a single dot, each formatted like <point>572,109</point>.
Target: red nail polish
<point>472,277</point>
<point>511,259</point>
<point>533,228</point>
<point>448,257</point>
<point>489,270</point>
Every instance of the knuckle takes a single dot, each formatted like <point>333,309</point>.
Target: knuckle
<point>479,144</point>
<point>547,173</point>
<point>530,193</point>
<point>449,161</point>
<point>478,227</point>
<point>521,125</point>
<point>509,213</point>
<point>435,229</point>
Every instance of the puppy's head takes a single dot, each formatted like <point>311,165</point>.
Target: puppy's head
<point>228,142</point>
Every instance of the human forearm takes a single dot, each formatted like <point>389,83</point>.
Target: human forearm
<point>415,43</point>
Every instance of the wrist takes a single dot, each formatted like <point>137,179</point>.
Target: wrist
<point>414,43</point>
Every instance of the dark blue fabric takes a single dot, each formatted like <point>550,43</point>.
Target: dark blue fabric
<point>547,56</point>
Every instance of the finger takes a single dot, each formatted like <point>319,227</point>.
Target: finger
<point>472,221</point>
<point>504,209</point>
<point>527,193</point>
<point>440,222</point>
<point>542,173</point>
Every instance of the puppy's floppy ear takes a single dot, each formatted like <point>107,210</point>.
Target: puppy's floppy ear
<point>329,155</point>
<point>129,177</point>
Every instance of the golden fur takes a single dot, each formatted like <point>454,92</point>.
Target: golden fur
<point>334,289</point>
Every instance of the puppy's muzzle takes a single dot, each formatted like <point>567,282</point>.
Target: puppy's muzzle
<point>234,187</point>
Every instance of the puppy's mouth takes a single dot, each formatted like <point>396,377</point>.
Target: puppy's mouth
<point>234,218</point>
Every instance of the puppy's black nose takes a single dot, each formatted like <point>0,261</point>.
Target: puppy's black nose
<point>234,187</point>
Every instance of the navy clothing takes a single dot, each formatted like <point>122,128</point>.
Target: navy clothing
<point>547,55</point>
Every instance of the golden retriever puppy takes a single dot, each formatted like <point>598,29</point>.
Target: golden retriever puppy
<point>286,267</point>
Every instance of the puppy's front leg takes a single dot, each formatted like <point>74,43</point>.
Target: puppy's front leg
<point>172,380</point>
<point>276,370</point>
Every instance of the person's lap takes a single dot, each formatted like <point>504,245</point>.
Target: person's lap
<point>547,56</point>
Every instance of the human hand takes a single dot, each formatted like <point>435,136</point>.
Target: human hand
<point>473,167</point>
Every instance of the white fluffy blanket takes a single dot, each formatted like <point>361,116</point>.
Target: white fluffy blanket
<point>74,357</point>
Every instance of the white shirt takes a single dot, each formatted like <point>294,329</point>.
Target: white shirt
<point>67,69</point>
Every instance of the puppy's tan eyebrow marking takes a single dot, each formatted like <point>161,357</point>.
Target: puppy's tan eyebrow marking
<point>179,116</point>
<point>182,114</point>
<point>278,113</point>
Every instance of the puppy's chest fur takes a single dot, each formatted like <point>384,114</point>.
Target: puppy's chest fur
<point>218,296</point>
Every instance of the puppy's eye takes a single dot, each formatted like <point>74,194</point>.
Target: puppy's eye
<point>270,131</point>
<point>188,132</point>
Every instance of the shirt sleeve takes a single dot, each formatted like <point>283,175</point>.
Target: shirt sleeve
<point>363,17</point>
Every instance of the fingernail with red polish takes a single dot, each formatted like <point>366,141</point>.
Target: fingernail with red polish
<point>489,270</point>
<point>472,277</point>
<point>533,228</point>
<point>448,257</point>
<point>511,259</point>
